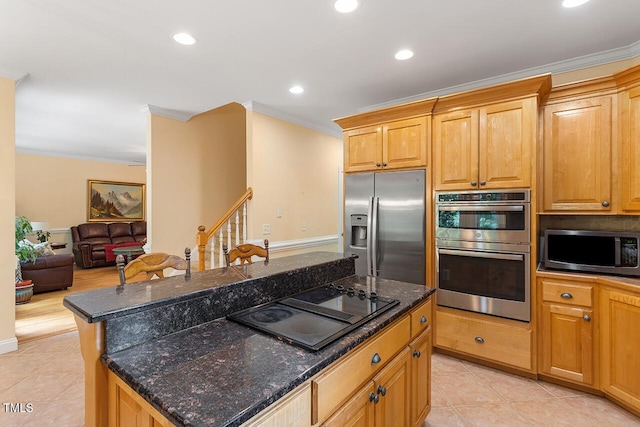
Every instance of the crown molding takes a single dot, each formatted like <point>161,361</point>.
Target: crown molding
<point>601,58</point>
<point>274,112</point>
<point>182,116</point>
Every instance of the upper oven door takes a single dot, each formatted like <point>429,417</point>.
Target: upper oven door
<point>500,223</point>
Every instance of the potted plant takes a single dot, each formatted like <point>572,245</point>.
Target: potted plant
<point>24,253</point>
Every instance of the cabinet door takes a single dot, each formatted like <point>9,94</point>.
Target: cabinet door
<point>404,143</point>
<point>507,137</point>
<point>567,343</point>
<point>420,382</point>
<point>357,412</point>
<point>393,386</point>
<point>577,155</point>
<point>620,345</point>
<point>630,155</point>
<point>363,149</point>
<point>455,142</point>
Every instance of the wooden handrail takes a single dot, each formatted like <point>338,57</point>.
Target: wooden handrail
<point>203,236</point>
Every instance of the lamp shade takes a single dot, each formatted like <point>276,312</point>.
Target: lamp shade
<point>39,226</point>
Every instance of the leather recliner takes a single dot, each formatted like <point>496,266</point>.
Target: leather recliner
<point>89,240</point>
<point>49,272</point>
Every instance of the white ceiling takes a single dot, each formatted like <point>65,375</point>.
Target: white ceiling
<point>92,65</point>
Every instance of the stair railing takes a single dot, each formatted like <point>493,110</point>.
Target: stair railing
<point>205,236</point>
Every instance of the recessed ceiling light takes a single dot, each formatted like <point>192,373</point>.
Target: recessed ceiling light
<point>184,38</point>
<point>346,6</point>
<point>296,89</point>
<point>573,3</point>
<point>403,54</point>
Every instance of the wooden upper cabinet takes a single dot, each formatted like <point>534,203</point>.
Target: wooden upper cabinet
<point>485,148</point>
<point>455,140</point>
<point>486,138</point>
<point>363,149</point>
<point>630,149</point>
<point>391,138</point>
<point>395,145</point>
<point>577,157</point>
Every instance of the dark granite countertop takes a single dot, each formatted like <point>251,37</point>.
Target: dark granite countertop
<point>220,373</point>
<point>107,303</point>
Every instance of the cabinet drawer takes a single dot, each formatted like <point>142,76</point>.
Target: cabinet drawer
<point>337,383</point>
<point>421,318</point>
<point>488,339</point>
<point>567,293</point>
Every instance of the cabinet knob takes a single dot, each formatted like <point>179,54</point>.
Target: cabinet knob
<point>586,318</point>
<point>483,182</point>
<point>566,295</point>
<point>375,359</point>
<point>605,204</point>
<point>375,398</point>
<point>423,319</point>
<point>377,165</point>
<point>479,340</point>
<point>381,390</point>
<point>384,164</point>
<point>474,183</point>
<point>416,353</point>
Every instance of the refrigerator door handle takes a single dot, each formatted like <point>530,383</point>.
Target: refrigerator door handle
<point>374,237</point>
<point>369,234</point>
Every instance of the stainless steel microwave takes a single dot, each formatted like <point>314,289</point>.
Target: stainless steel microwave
<point>611,252</point>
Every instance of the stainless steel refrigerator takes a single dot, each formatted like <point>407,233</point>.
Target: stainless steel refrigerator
<point>385,224</point>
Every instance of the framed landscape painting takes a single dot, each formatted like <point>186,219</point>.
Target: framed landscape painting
<point>110,201</point>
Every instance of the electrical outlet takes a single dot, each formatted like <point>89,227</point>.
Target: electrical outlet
<point>266,228</point>
<point>303,226</point>
<point>279,213</point>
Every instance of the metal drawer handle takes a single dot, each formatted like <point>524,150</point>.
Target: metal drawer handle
<point>416,353</point>
<point>382,390</point>
<point>479,340</point>
<point>586,318</point>
<point>566,295</point>
<point>375,398</point>
<point>376,359</point>
<point>423,319</point>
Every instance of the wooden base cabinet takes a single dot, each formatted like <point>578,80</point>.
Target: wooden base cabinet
<point>420,394</point>
<point>568,349</point>
<point>620,344</point>
<point>129,409</point>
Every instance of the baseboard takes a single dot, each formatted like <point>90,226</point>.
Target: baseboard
<point>7,346</point>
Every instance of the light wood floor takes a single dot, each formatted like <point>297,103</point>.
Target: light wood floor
<point>45,315</point>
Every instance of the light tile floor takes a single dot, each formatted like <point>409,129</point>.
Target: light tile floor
<point>48,375</point>
<point>470,395</point>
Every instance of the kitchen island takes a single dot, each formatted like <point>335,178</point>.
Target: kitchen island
<point>168,341</point>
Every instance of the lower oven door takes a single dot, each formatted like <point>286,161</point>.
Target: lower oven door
<point>495,282</point>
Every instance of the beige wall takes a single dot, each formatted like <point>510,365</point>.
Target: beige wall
<point>297,170</point>
<point>54,189</point>
<point>8,340</point>
<point>196,170</point>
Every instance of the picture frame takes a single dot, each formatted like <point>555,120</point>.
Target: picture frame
<point>112,201</point>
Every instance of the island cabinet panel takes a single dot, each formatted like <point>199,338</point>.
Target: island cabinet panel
<point>292,410</point>
<point>485,148</point>
<point>129,409</point>
<point>395,145</point>
<point>568,347</point>
<point>421,318</point>
<point>357,412</point>
<point>620,346</point>
<point>335,385</point>
<point>420,394</point>
<point>393,388</point>
<point>577,153</point>
<point>492,339</point>
<point>630,151</point>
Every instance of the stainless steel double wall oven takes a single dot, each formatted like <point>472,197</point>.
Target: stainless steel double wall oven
<point>483,252</point>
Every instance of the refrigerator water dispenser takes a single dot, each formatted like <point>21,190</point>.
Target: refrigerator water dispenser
<point>359,231</point>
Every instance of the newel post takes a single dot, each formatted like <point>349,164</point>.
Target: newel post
<point>201,241</point>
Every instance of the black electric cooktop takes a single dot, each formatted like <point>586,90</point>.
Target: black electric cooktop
<point>315,318</point>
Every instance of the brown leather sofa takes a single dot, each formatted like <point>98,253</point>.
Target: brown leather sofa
<point>89,240</point>
<point>49,272</point>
